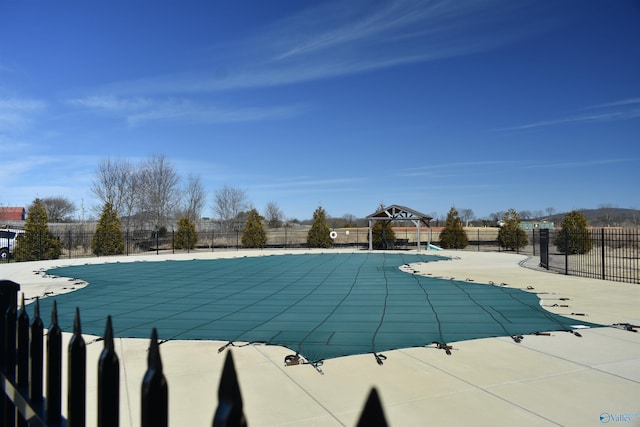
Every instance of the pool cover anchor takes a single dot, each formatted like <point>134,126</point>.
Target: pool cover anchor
<point>296,359</point>
<point>380,358</point>
<point>444,346</point>
<point>627,326</point>
<point>292,360</point>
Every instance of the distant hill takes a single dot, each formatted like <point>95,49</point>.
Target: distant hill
<point>605,217</point>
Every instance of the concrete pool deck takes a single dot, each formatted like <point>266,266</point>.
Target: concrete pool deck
<point>559,379</point>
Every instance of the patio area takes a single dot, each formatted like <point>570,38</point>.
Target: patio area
<point>555,379</point>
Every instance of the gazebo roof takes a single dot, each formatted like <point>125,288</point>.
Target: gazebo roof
<point>397,212</point>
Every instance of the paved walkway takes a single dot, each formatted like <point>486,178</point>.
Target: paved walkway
<point>560,379</point>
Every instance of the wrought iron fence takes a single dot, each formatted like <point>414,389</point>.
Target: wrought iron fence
<point>613,255</point>
<point>22,361</point>
<point>76,244</point>
<point>604,253</point>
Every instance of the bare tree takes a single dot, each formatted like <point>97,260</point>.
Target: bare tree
<point>131,198</point>
<point>194,198</point>
<point>111,182</point>
<point>59,209</point>
<point>525,215</point>
<point>350,220</point>
<point>229,203</point>
<point>496,217</point>
<point>608,212</point>
<point>466,215</point>
<point>550,211</point>
<point>273,215</point>
<point>160,189</point>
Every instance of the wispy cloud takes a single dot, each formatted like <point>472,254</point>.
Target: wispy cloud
<point>307,182</point>
<point>36,170</point>
<point>454,168</point>
<point>580,164</point>
<point>139,110</point>
<point>112,104</point>
<point>626,109</point>
<point>17,113</point>
<point>630,101</point>
<point>342,38</point>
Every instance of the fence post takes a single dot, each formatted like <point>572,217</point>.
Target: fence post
<point>544,247</point>
<point>602,252</point>
<point>23,354</point>
<point>8,300</point>
<point>35,355</point>
<point>9,356</point>
<point>566,251</point>
<point>229,410</point>
<point>108,382</point>
<point>76,376</point>
<point>533,241</point>
<point>155,400</point>
<point>53,402</point>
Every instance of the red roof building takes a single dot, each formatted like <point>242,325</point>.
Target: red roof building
<point>12,214</point>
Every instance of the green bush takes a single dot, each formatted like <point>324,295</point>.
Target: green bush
<point>37,242</point>
<point>382,235</point>
<point>511,236</point>
<point>186,237</point>
<point>574,236</point>
<point>254,234</point>
<point>319,235</point>
<point>108,239</point>
<point>453,235</point>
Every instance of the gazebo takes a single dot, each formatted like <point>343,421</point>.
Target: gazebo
<point>398,213</point>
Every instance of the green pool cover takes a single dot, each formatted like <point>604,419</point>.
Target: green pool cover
<point>319,305</point>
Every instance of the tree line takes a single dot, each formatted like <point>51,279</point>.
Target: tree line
<point>573,238</point>
<point>38,243</point>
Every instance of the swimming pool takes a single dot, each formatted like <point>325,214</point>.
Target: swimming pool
<point>319,305</point>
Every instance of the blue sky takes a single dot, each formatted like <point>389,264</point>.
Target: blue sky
<point>486,105</point>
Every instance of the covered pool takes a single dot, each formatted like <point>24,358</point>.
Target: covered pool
<point>318,305</point>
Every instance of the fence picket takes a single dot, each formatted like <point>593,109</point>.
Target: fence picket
<point>155,397</point>
<point>372,414</point>
<point>36,356</point>
<point>23,354</point>
<point>10,359</point>
<point>108,382</point>
<point>76,376</point>
<point>53,401</point>
<point>229,412</point>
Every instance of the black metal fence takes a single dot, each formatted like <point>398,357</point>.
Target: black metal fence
<point>605,253</point>
<point>613,254</point>
<point>22,362</point>
<point>76,244</point>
